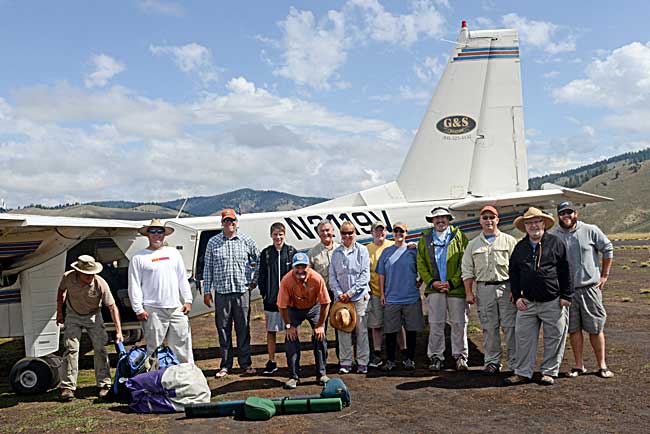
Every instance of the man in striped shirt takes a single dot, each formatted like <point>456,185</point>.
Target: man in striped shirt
<point>230,258</point>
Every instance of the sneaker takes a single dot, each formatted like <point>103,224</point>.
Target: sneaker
<point>461,364</point>
<point>375,361</point>
<point>292,383</point>
<point>389,366</point>
<point>223,372</point>
<point>270,368</point>
<point>515,379</point>
<point>408,364</point>
<point>344,370</point>
<point>103,392</point>
<point>322,380</point>
<point>546,380</point>
<point>67,394</point>
<point>435,364</point>
<point>491,369</point>
<point>362,369</point>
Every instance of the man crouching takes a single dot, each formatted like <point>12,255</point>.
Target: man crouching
<point>303,296</point>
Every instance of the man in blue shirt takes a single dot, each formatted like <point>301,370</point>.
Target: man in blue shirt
<point>398,275</point>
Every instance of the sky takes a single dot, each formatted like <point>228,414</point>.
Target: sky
<point>151,100</point>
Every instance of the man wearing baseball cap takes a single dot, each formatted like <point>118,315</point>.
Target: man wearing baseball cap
<point>485,263</point>
<point>83,292</point>
<point>230,259</point>
<point>303,296</point>
<point>584,244</point>
<point>440,252</point>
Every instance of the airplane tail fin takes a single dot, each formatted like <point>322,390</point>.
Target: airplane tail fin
<point>471,140</point>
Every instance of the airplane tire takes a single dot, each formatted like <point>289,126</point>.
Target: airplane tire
<point>30,376</point>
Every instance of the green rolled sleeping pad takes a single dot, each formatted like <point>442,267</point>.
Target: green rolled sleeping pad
<point>239,408</point>
<point>308,405</point>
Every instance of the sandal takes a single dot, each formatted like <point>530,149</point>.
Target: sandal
<point>605,373</point>
<point>577,371</point>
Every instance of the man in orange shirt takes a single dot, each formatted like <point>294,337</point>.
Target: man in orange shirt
<point>303,296</point>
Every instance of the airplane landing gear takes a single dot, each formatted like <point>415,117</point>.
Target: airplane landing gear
<point>33,375</point>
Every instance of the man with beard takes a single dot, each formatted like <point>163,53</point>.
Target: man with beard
<point>303,296</point>
<point>160,293</point>
<point>584,242</point>
<point>541,287</point>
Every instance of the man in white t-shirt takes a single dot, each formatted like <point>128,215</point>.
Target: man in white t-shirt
<point>160,293</point>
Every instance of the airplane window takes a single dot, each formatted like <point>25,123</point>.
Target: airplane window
<point>200,256</point>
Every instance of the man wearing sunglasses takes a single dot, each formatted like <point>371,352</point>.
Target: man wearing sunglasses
<point>584,244</point>
<point>440,251</point>
<point>485,263</point>
<point>230,261</point>
<point>160,293</point>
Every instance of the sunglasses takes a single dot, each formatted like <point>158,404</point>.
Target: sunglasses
<point>398,230</point>
<point>347,233</point>
<point>156,231</point>
<point>229,220</point>
<point>488,217</point>
<point>565,212</point>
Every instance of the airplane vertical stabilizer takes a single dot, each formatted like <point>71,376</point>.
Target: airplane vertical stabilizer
<point>468,112</point>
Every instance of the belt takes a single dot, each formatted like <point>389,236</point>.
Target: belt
<point>495,283</point>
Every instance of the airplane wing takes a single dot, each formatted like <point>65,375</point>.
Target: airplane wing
<point>28,240</point>
<point>548,197</point>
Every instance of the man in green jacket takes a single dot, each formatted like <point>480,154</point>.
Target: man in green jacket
<point>440,253</point>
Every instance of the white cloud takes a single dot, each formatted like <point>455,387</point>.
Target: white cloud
<point>161,7</point>
<point>113,143</point>
<point>589,130</point>
<point>430,69</point>
<point>549,37</point>
<point>551,74</point>
<point>191,58</point>
<point>313,51</point>
<point>484,23</point>
<point>105,68</point>
<point>619,80</point>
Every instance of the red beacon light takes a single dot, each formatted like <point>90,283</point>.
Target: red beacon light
<point>464,24</point>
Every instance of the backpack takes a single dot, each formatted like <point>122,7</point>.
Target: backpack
<point>161,358</point>
<point>129,364</point>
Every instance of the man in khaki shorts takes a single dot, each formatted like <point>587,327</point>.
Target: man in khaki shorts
<point>485,262</point>
<point>83,292</point>
<point>584,243</point>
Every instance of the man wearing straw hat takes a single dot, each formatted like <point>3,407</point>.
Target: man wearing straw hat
<point>160,293</point>
<point>303,296</point>
<point>541,288</point>
<point>83,293</point>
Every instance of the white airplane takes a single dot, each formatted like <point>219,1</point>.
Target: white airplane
<point>469,151</point>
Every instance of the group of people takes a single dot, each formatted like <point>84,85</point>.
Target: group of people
<point>552,278</point>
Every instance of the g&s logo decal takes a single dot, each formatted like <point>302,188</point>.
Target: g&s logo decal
<point>456,125</point>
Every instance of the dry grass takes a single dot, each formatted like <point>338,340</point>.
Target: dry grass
<point>629,236</point>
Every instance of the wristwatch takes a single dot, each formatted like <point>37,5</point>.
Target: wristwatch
<point>287,326</point>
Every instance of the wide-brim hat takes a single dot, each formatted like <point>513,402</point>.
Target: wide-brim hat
<point>439,211</point>
<point>343,316</point>
<point>86,264</point>
<point>532,213</point>
<point>156,223</point>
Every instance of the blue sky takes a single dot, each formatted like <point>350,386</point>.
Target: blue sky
<point>156,99</point>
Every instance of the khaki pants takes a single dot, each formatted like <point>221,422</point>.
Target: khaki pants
<point>172,325</point>
<point>94,326</point>
<point>496,310</point>
<point>361,330</point>
<point>439,305</point>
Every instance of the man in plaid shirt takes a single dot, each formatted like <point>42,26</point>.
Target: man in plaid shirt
<point>230,258</point>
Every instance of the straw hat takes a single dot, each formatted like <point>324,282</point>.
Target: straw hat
<point>343,316</point>
<point>86,264</point>
<point>439,211</point>
<point>156,223</point>
<point>532,213</point>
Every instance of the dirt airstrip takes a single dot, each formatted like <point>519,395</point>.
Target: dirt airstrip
<point>405,401</point>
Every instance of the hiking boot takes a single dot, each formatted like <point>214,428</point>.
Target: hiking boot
<point>435,364</point>
<point>67,394</point>
<point>323,379</point>
<point>375,361</point>
<point>344,370</point>
<point>103,392</point>
<point>461,364</point>
<point>362,369</point>
<point>270,368</point>
<point>491,369</point>
<point>389,366</point>
<point>408,364</point>
<point>515,379</point>
<point>546,380</point>
<point>292,383</point>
